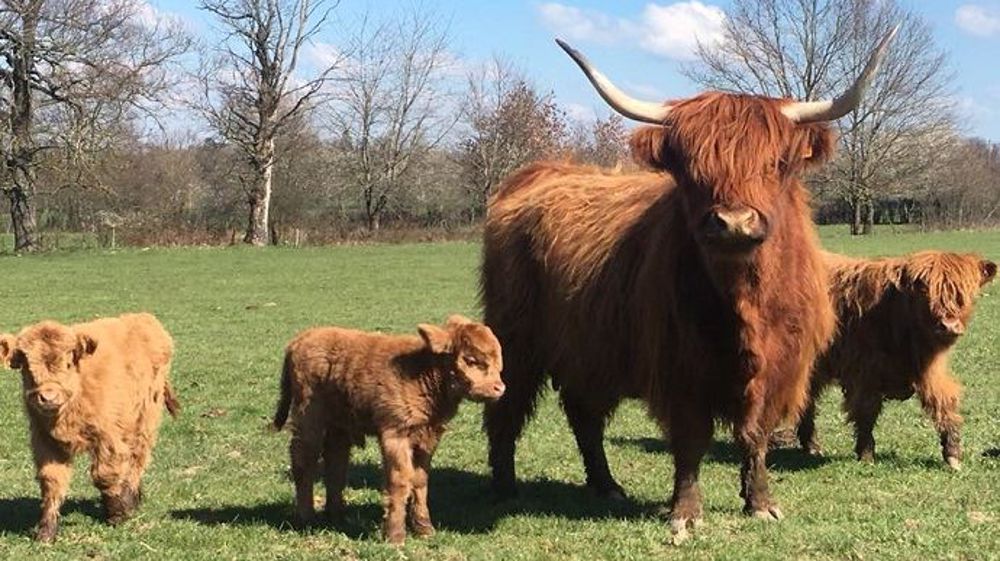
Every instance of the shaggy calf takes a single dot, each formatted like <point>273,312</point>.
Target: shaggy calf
<point>341,385</point>
<point>899,318</point>
<point>97,387</point>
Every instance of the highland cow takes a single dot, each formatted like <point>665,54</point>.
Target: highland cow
<point>98,387</point>
<point>341,385</point>
<point>698,288</point>
<point>899,319</point>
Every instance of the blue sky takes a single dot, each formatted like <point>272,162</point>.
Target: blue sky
<point>642,44</point>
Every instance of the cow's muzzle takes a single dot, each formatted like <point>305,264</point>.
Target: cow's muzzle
<point>734,229</point>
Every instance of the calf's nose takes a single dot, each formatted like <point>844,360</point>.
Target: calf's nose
<point>499,388</point>
<point>953,326</point>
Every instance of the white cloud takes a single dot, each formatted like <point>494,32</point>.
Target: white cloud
<point>322,55</point>
<point>580,112</point>
<point>978,20</point>
<point>668,30</point>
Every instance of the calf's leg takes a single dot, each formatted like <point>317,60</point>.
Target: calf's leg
<point>588,422</point>
<point>397,461</point>
<point>53,471</point>
<point>806,431</point>
<point>308,435</point>
<point>420,514</point>
<point>110,468</point>
<point>336,457</point>
<point>940,395</point>
<point>863,412</point>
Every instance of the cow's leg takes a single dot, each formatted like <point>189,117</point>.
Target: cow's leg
<point>110,468</point>
<point>863,412</point>
<point>397,461</point>
<point>54,469</point>
<point>940,395</point>
<point>420,514</point>
<point>690,431</point>
<point>308,433</point>
<point>336,457</point>
<point>587,422</point>
<point>754,487</point>
<point>505,419</point>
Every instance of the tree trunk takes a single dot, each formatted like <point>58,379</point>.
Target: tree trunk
<point>20,159</point>
<point>856,212</point>
<point>869,225</point>
<point>22,219</point>
<point>260,196</point>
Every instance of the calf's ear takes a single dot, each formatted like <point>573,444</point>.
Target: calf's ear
<point>438,340</point>
<point>455,320</point>
<point>85,345</point>
<point>7,351</point>
<point>989,270</point>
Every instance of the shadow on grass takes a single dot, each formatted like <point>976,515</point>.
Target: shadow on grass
<point>20,514</point>
<point>779,459</point>
<point>460,501</point>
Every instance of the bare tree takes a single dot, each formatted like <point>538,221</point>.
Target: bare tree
<point>392,105</point>
<point>251,89</point>
<point>509,124</point>
<point>69,70</point>
<point>805,49</point>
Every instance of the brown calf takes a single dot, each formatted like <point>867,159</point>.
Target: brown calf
<point>341,385</point>
<point>899,318</point>
<point>97,387</point>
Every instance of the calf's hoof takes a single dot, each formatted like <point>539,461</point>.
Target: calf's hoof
<point>813,449</point>
<point>866,456</point>
<point>46,533</point>
<point>423,529</point>
<point>395,536</point>
<point>954,463</point>
<point>503,492</point>
<point>679,528</point>
<point>118,508</point>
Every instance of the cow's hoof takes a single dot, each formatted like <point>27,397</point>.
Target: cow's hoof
<point>770,514</point>
<point>679,528</point>
<point>813,450</point>
<point>504,492</point>
<point>954,463</point>
<point>612,492</point>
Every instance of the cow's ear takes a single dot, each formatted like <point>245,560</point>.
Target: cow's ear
<point>7,358</point>
<point>85,345</point>
<point>820,144</point>
<point>989,270</point>
<point>646,144</point>
<point>438,340</point>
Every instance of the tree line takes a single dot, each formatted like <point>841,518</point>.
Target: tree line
<point>388,131</point>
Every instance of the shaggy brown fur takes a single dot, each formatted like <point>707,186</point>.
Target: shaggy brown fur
<point>899,318</point>
<point>97,387</point>
<point>606,282</point>
<point>341,385</point>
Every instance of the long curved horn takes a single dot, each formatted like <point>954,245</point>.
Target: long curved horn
<point>827,110</point>
<point>645,111</point>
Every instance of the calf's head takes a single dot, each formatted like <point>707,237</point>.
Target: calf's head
<point>942,288</point>
<point>48,355</point>
<point>736,158</point>
<point>471,354</point>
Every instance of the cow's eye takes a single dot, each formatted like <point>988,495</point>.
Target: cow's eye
<point>473,362</point>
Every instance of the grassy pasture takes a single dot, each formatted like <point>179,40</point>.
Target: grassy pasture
<point>218,487</point>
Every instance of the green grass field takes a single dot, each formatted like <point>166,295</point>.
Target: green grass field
<point>218,486</point>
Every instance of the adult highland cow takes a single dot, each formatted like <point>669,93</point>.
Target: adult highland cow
<point>698,288</point>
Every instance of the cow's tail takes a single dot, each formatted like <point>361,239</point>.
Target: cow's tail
<point>170,399</point>
<point>285,399</point>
